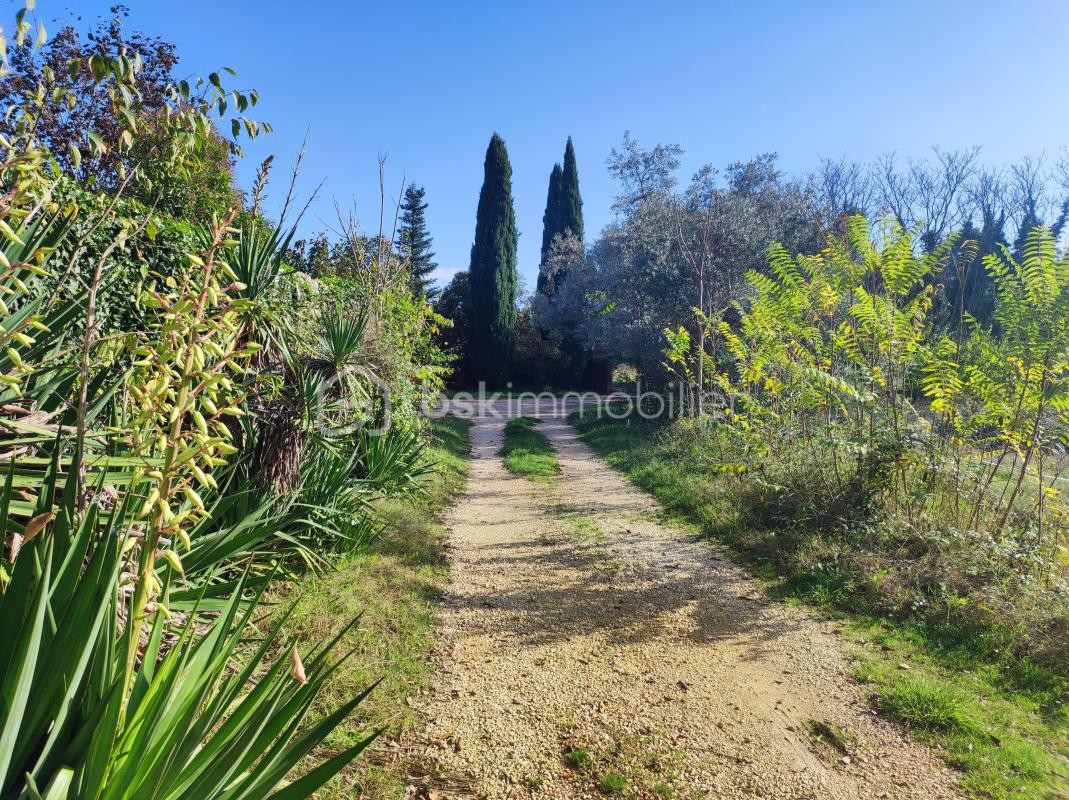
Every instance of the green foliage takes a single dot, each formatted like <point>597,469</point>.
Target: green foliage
<point>392,586</point>
<point>579,758</point>
<point>612,783</point>
<point>80,719</point>
<point>493,276</point>
<point>528,452</point>
<point>454,305</point>
<point>152,252</point>
<point>563,216</point>
<point>829,362</point>
<point>195,196</point>
<point>551,216</point>
<point>150,368</point>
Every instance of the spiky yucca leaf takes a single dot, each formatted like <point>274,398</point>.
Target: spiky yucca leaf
<point>206,718</point>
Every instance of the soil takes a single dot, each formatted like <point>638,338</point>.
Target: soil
<point>588,647</point>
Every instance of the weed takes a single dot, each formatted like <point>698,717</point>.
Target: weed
<point>578,758</point>
<point>583,527</point>
<point>612,783</point>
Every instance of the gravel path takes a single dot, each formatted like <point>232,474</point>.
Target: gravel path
<point>584,641</point>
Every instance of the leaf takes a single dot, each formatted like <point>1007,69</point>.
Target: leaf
<point>18,678</point>
<point>297,667</point>
<point>36,525</point>
<point>96,143</point>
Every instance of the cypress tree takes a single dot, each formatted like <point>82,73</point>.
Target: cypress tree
<point>493,270</point>
<point>550,219</point>
<point>414,241</point>
<point>564,208</point>
<point>571,203</point>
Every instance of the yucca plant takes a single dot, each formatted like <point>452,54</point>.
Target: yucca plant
<point>247,527</point>
<point>391,462</point>
<point>197,714</point>
<point>341,339</point>
<point>337,504</point>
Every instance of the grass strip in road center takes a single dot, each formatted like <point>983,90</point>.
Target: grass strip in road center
<point>527,452</point>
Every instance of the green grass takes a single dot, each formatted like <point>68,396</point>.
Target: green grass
<point>1007,741</point>
<point>584,528</point>
<point>1000,718</point>
<point>394,587</point>
<point>579,758</point>
<point>612,783</point>
<point>528,452</point>
<point>928,706</point>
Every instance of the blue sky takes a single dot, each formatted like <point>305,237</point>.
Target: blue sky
<point>427,82</point>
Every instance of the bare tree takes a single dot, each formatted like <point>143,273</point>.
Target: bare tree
<point>842,188</point>
<point>988,198</point>
<point>928,194</point>
<point>1041,195</point>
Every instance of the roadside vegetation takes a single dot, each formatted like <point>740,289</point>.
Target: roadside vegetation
<point>527,451</point>
<point>191,425</point>
<point>994,712</point>
<point>868,409</point>
<point>393,587</point>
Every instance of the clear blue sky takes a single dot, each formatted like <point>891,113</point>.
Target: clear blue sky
<point>427,82</point>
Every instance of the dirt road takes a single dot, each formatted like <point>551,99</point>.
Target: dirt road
<point>589,648</point>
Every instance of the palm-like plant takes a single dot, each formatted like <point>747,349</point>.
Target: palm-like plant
<point>195,715</point>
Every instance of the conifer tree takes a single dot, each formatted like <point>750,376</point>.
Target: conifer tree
<point>414,241</point>
<point>571,203</point>
<point>550,219</point>
<point>493,270</point>
<point>564,209</point>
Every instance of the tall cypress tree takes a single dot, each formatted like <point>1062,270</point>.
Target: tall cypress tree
<point>564,209</point>
<point>571,204</point>
<point>493,270</point>
<point>414,241</point>
<point>550,219</point>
